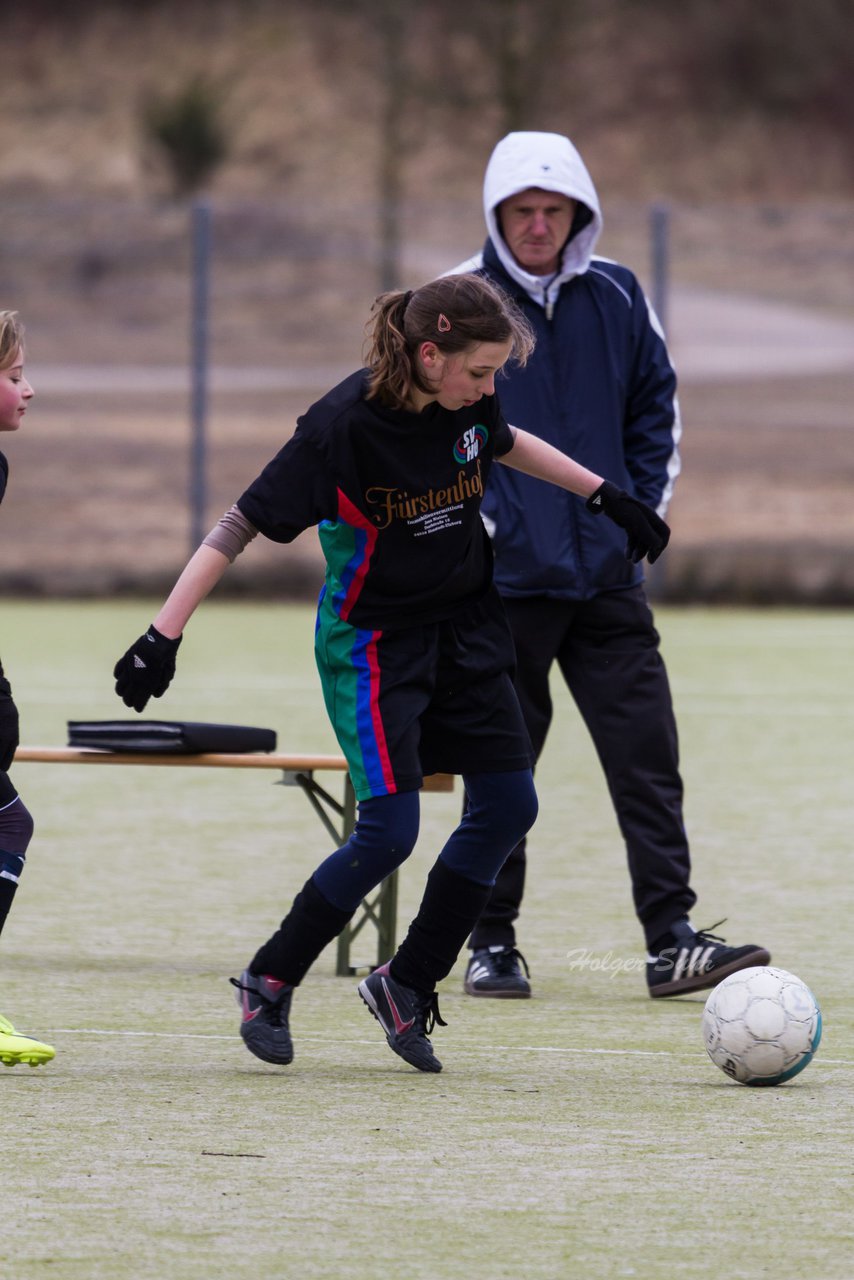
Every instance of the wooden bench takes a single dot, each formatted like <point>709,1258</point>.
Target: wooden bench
<point>296,771</point>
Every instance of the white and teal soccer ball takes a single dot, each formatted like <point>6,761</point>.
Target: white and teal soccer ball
<point>761,1026</point>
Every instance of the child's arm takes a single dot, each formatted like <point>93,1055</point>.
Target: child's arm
<point>201,574</point>
<point>536,458</point>
<point>647,534</point>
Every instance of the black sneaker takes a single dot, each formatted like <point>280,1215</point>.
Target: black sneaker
<point>406,1016</point>
<point>497,971</point>
<point>697,960</point>
<point>265,1003</point>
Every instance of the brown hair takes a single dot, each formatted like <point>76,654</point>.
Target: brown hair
<point>455,313</point>
<point>11,338</point>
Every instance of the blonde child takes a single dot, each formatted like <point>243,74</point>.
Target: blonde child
<point>16,824</point>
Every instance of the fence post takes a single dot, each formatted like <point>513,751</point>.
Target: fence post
<point>200,231</point>
<point>659,228</point>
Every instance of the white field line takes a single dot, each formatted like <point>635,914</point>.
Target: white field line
<point>492,1048</point>
<point>338,1040</point>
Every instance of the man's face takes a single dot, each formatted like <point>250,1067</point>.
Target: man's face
<point>535,225</point>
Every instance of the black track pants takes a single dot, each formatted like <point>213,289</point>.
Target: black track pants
<point>607,652</point>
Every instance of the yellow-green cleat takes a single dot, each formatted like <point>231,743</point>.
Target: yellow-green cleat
<point>22,1050</point>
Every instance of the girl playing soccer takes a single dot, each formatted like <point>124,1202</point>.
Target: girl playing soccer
<point>414,654</point>
<point>16,825</point>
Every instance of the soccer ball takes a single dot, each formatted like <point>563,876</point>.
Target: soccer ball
<point>761,1025</point>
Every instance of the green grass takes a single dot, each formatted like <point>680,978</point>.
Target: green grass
<point>581,1134</point>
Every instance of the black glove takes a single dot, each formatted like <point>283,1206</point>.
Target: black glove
<point>648,535</point>
<point>146,670</point>
<point>8,726</point>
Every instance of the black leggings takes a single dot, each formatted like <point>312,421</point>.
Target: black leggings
<point>501,809</point>
<point>16,830</point>
<point>607,651</point>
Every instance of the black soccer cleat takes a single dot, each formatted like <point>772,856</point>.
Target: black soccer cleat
<point>406,1016</point>
<point>497,972</point>
<point>697,960</point>
<point>265,1003</point>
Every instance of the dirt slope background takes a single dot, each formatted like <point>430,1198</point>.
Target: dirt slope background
<point>330,114</point>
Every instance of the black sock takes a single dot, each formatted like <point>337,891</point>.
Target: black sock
<point>449,910</point>
<point>668,940</point>
<point>7,893</point>
<point>309,926</point>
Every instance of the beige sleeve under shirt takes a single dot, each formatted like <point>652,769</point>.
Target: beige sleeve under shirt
<point>231,534</point>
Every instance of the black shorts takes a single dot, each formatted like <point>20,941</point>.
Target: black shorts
<point>436,698</point>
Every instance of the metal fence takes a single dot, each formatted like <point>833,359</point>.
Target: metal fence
<point>171,351</point>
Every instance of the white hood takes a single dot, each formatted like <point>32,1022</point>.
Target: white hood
<point>549,162</point>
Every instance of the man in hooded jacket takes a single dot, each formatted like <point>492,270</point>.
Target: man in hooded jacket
<point>601,387</point>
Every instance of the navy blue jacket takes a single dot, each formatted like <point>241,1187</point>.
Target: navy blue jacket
<point>600,387</point>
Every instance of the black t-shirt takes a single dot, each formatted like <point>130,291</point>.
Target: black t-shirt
<point>396,496</point>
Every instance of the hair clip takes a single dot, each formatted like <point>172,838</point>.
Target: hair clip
<point>407,298</point>
<point>444,324</point>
